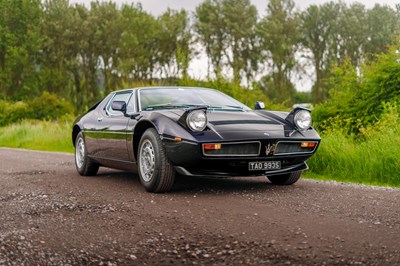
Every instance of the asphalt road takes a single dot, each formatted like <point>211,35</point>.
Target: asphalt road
<point>49,215</point>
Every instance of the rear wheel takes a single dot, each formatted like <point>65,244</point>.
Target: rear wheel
<point>156,172</point>
<point>84,165</point>
<point>285,179</point>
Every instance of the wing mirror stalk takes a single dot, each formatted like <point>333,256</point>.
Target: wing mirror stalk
<point>259,105</point>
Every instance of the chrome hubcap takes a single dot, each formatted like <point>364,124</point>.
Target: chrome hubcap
<point>147,161</point>
<point>80,153</point>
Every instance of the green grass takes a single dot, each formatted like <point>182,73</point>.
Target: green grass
<point>38,135</point>
<point>373,161</point>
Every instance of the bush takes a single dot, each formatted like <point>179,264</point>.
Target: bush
<point>46,107</point>
<point>12,112</point>
<point>49,107</point>
<point>358,99</point>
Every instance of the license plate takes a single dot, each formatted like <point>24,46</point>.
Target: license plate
<point>263,166</point>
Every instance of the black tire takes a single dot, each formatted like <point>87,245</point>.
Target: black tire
<point>156,172</point>
<point>84,165</point>
<point>286,179</point>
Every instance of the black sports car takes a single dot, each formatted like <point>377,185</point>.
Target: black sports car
<point>160,131</point>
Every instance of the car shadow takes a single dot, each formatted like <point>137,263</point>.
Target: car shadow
<point>118,175</point>
<point>220,185</point>
<point>207,185</point>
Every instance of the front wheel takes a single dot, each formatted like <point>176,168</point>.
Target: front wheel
<point>285,179</point>
<point>156,173</point>
<point>84,165</point>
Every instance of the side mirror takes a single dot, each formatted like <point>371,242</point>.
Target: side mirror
<point>119,106</point>
<point>259,105</point>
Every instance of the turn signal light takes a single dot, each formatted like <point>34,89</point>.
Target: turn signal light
<point>308,144</point>
<point>211,146</point>
<point>177,139</point>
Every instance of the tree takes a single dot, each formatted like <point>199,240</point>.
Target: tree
<point>20,43</point>
<point>70,57</point>
<point>59,51</point>
<point>209,26</point>
<point>105,18</point>
<point>318,24</point>
<point>87,56</point>
<point>240,19</point>
<point>279,34</point>
<point>66,64</point>
<point>139,51</point>
<point>351,34</point>
<point>175,39</point>
<point>382,28</point>
<point>227,30</point>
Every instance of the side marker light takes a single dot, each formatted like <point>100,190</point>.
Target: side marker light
<point>308,144</point>
<point>211,146</point>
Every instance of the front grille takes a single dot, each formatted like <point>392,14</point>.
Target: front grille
<point>235,149</point>
<point>293,147</point>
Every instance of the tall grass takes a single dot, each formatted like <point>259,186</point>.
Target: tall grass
<point>373,158</point>
<point>38,135</point>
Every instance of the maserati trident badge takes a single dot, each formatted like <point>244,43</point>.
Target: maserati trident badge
<point>269,149</point>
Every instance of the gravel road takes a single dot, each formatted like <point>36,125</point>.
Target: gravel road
<point>52,216</point>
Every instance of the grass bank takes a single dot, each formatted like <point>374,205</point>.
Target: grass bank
<point>373,160</point>
<point>38,135</point>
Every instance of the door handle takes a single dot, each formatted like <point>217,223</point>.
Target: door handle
<point>99,119</point>
<point>135,116</point>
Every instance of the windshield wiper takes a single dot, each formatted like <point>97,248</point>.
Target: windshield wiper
<point>227,107</point>
<point>235,107</point>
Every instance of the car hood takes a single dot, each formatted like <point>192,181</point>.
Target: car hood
<point>239,125</point>
<point>243,121</point>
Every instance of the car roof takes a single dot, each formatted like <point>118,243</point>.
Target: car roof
<point>161,87</point>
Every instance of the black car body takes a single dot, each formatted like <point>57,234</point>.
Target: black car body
<point>160,131</point>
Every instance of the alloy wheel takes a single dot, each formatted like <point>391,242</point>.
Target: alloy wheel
<point>147,160</point>
<point>80,153</point>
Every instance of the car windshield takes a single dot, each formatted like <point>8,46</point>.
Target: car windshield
<point>173,98</point>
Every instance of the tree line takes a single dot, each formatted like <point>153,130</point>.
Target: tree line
<point>80,52</point>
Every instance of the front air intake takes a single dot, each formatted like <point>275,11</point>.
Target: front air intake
<point>295,147</point>
<point>232,149</point>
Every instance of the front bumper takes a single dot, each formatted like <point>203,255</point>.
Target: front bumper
<point>189,160</point>
<point>236,172</point>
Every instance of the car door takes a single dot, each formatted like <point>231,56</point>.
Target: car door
<point>111,129</point>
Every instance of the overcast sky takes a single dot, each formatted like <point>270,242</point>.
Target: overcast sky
<point>156,7</point>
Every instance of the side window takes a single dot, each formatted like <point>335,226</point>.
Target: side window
<point>130,107</point>
<point>122,96</point>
